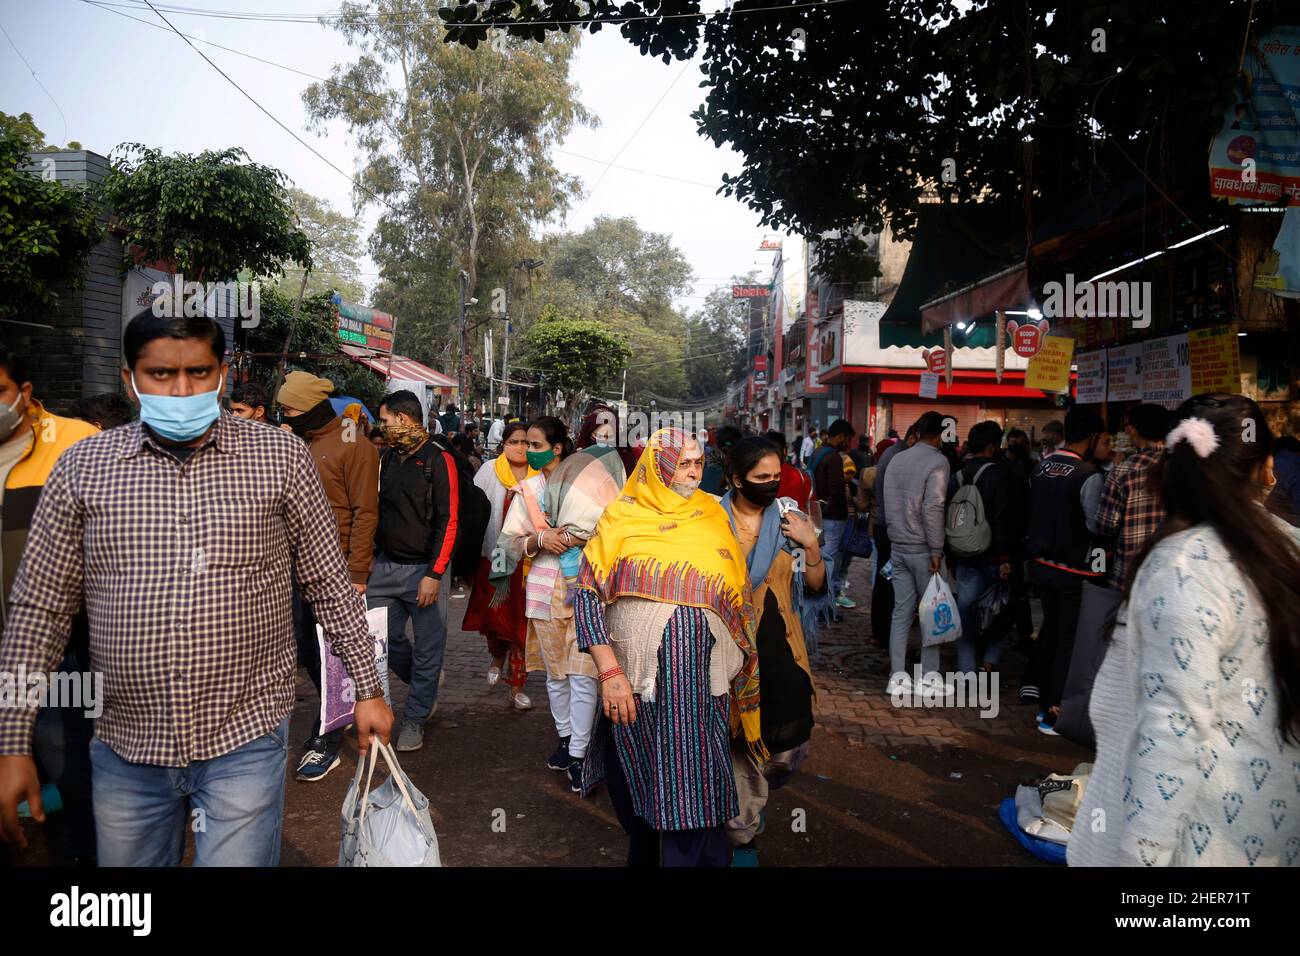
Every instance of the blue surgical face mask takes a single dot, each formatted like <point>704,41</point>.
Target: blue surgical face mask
<point>179,417</point>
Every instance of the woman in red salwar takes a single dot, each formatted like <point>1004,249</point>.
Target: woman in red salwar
<point>504,625</point>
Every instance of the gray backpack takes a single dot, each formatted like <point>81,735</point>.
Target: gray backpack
<point>966,526</point>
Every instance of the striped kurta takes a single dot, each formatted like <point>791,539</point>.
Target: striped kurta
<point>677,756</point>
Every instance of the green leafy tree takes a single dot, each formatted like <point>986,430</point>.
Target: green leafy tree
<point>210,216</point>
<point>335,247</point>
<point>455,142</point>
<point>624,278</point>
<point>716,352</point>
<point>47,229</point>
<point>27,128</point>
<point>574,354</point>
<point>621,265</point>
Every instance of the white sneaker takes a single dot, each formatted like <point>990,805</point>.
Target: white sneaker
<point>933,683</point>
<point>900,683</point>
<point>521,701</point>
<point>494,675</point>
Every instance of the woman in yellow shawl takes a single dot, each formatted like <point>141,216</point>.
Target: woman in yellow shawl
<point>662,605</point>
<point>504,626</point>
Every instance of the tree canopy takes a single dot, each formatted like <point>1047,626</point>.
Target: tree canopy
<point>46,228</point>
<point>210,216</point>
<point>847,113</point>
<point>336,248</point>
<point>455,145</point>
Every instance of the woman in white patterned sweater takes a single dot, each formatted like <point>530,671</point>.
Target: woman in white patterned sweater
<point>1197,705</point>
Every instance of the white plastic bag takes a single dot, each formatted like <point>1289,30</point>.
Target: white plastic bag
<point>940,622</point>
<point>387,826</point>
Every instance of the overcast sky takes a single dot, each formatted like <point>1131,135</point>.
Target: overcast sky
<point>119,81</point>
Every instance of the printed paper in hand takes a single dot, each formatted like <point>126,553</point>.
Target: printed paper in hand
<point>337,694</point>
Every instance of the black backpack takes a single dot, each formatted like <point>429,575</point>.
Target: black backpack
<point>473,515</point>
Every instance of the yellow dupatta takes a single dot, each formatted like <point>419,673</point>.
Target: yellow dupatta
<point>652,543</point>
<point>506,476</point>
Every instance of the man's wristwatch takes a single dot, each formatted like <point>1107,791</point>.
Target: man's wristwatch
<point>370,694</point>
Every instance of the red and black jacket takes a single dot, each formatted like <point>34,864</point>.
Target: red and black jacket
<point>419,501</point>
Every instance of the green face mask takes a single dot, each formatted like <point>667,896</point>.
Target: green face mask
<point>537,460</point>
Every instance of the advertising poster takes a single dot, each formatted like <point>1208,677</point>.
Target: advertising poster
<point>1049,369</point>
<point>337,694</point>
<point>1124,373</point>
<point>1166,371</point>
<point>1255,157</point>
<point>1091,383</point>
<point>1216,360</point>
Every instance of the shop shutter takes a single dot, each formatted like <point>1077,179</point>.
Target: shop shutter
<point>908,410</point>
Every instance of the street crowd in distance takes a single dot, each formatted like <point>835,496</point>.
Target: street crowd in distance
<point>670,586</point>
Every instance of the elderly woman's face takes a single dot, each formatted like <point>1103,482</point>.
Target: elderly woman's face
<point>690,466</point>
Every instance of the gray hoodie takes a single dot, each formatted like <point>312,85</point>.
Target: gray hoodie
<point>915,492</point>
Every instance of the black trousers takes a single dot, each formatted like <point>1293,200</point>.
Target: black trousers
<point>882,592</point>
<point>1061,593</point>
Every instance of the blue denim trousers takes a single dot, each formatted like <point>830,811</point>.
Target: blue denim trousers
<point>234,804</point>
<point>417,662</point>
<point>972,581</point>
<point>837,567</point>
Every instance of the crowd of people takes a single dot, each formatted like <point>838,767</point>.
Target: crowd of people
<point>672,593</point>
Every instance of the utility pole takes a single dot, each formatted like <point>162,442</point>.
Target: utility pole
<point>505,369</point>
<point>460,354</point>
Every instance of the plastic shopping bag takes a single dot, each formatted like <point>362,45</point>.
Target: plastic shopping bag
<point>387,826</point>
<point>940,622</point>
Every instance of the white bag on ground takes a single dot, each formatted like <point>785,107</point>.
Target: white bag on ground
<point>940,622</point>
<point>388,826</point>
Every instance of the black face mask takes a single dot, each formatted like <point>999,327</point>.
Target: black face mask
<point>318,417</point>
<point>760,494</point>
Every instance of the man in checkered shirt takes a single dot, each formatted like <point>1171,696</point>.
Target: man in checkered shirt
<point>1129,509</point>
<point>178,532</point>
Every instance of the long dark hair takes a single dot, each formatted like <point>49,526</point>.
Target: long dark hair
<point>1211,490</point>
<point>556,432</point>
<point>745,455</point>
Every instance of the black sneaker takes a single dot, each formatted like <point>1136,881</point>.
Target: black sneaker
<point>575,775</point>
<point>317,761</point>
<point>560,760</point>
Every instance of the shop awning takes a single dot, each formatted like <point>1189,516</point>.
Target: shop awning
<point>1008,289</point>
<point>402,367</point>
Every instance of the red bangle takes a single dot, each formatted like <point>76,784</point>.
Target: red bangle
<point>612,672</point>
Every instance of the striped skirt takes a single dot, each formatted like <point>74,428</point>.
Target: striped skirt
<point>677,756</point>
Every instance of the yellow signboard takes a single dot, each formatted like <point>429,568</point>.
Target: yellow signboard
<point>1215,359</point>
<point>1049,369</point>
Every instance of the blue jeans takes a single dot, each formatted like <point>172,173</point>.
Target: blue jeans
<point>237,801</point>
<point>418,663</point>
<point>972,581</point>
<point>838,562</point>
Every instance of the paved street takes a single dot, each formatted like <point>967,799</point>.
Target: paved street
<point>883,786</point>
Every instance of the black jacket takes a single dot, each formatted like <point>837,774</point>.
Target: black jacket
<point>408,533</point>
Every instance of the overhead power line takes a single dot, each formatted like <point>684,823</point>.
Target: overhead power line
<point>38,81</point>
<point>108,8</point>
<point>273,117</point>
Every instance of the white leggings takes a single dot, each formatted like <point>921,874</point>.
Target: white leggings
<point>573,706</point>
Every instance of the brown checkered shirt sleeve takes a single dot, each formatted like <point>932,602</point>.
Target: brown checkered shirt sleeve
<point>185,570</point>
